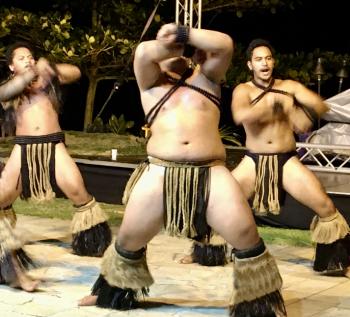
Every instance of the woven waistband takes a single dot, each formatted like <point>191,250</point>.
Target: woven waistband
<point>290,153</point>
<point>38,139</point>
<point>166,163</point>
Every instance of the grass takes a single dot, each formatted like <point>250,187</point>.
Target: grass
<point>82,144</point>
<point>63,209</point>
<point>281,236</point>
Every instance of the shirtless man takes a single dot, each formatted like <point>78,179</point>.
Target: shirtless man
<point>270,110</point>
<point>185,185</point>
<point>39,161</point>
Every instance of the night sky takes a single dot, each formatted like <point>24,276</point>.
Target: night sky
<point>315,24</point>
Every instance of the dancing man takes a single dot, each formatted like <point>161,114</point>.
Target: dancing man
<point>271,110</point>
<point>39,162</point>
<point>184,184</point>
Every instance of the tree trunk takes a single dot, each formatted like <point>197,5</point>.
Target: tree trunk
<point>90,100</point>
<point>91,93</point>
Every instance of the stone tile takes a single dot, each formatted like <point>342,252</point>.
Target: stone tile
<point>38,310</point>
<point>179,290</point>
<point>338,295</point>
<point>307,308</point>
<point>333,312</point>
<point>84,312</point>
<point>14,297</point>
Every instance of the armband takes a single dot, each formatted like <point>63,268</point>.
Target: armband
<point>182,34</point>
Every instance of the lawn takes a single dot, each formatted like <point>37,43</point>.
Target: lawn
<point>86,145</point>
<point>62,208</point>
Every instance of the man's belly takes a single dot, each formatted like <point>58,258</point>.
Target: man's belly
<point>186,149</point>
<point>37,124</point>
<point>270,145</point>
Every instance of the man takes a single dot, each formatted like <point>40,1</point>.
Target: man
<point>184,184</point>
<point>39,162</point>
<point>271,110</point>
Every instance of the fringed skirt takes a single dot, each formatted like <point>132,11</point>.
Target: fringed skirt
<point>269,194</point>
<point>186,195</point>
<point>38,165</point>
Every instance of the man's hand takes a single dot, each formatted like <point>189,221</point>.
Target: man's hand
<point>167,34</point>
<point>44,70</point>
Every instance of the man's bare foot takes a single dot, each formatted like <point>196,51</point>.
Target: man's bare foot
<point>22,280</point>
<point>187,259</point>
<point>347,272</point>
<point>26,283</point>
<point>89,300</point>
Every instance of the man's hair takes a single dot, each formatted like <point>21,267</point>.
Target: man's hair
<point>13,47</point>
<point>257,43</point>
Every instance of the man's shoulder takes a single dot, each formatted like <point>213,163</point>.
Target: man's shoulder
<point>288,85</point>
<point>286,82</point>
<point>244,87</point>
<point>4,81</point>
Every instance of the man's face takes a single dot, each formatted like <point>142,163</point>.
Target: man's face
<point>22,60</point>
<point>262,63</point>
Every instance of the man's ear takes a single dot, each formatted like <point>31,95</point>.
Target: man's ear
<point>249,64</point>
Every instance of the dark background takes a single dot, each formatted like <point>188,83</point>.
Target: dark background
<point>313,24</point>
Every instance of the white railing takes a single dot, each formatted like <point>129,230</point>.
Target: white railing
<point>325,158</point>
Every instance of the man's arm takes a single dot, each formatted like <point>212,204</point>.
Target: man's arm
<point>148,55</point>
<point>299,121</point>
<point>67,73</point>
<point>305,97</point>
<point>15,85</point>
<point>244,112</point>
<point>218,48</point>
<point>308,107</point>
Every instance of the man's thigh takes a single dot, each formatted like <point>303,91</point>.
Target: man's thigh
<point>10,185</point>
<point>68,176</point>
<point>144,212</point>
<point>245,175</point>
<point>303,185</point>
<point>228,211</point>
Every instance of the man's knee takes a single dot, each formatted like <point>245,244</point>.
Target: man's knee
<point>77,193</point>
<point>248,230</point>
<point>125,240</point>
<point>326,206</point>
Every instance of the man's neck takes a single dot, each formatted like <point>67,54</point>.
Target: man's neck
<point>265,83</point>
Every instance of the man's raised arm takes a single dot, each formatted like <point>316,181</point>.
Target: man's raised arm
<point>149,54</point>
<point>218,48</point>
<point>15,85</point>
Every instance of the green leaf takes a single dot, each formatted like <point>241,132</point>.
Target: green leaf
<point>239,14</point>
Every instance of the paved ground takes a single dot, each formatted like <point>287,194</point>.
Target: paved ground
<point>180,290</point>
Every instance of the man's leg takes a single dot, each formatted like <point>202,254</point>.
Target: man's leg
<point>329,229</point>
<point>257,281</point>
<point>214,254</point>
<point>90,230</point>
<point>13,260</point>
<point>124,272</point>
